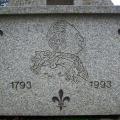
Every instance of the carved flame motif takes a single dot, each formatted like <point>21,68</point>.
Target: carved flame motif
<point>61,99</point>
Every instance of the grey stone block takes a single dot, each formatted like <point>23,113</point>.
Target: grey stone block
<point>59,64</point>
<point>43,2</point>
<point>93,2</point>
<point>59,9</point>
<point>26,2</point>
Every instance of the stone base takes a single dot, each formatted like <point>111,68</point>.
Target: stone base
<point>59,65</point>
<point>43,2</point>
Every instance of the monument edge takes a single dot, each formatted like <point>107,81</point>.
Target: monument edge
<point>59,9</point>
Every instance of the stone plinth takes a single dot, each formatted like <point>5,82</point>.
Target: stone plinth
<point>93,2</point>
<point>60,60</point>
<point>26,2</point>
<point>43,2</point>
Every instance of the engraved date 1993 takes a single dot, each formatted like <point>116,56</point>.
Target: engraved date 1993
<point>101,84</point>
<point>21,85</point>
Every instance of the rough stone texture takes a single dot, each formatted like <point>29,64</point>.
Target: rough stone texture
<point>60,55</point>
<point>53,9</point>
<point>26,2</point>
<point>93,2</point>
<point>43,2</point>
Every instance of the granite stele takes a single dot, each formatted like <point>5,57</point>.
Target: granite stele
<point>59,59</point>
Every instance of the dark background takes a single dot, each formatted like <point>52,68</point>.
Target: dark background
<point>61,118</point>
<point>60,2</point>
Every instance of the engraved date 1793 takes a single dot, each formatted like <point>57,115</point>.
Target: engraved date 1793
<point>21,85</point>
<point>101,84</point>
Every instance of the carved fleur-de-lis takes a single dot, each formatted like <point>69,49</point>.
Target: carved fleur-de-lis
<point>61,99</point>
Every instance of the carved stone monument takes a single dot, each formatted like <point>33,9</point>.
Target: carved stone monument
<point>26,2</point>
<point>59,60</point>
<point>43,2</point>
<point>93,2</point>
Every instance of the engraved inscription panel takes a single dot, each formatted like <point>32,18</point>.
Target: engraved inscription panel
<point>59,65</point>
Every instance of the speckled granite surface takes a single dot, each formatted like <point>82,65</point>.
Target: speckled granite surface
<point>33,76</point>
<point>43,2</point>
<point>55,63</point>
<point>59,9</point>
